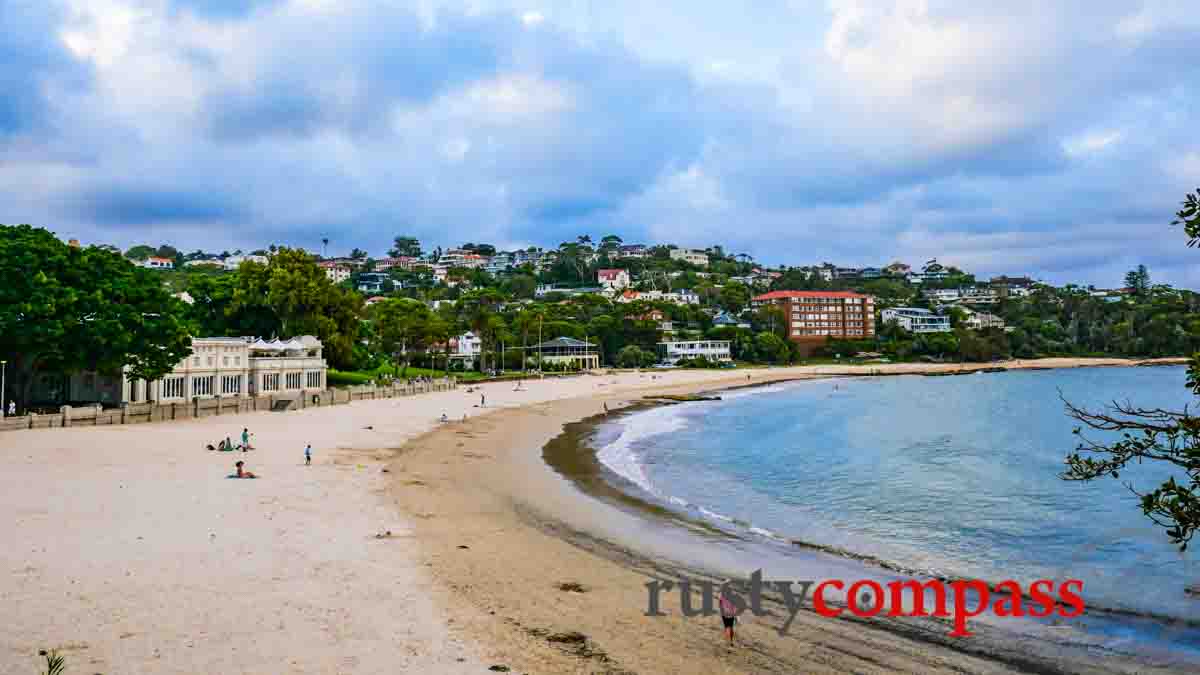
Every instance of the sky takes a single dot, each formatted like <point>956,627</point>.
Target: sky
<point>1048,138</point>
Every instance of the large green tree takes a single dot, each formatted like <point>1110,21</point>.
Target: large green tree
<point>65,309</point>
<point>406,246</point>
<point>403,326</point>
<point>301,300</point>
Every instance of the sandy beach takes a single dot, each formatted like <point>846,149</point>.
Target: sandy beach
<point>408,546</point>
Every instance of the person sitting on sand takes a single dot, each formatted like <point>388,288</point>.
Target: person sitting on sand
<point>444,418</point>
<point>241,473</point>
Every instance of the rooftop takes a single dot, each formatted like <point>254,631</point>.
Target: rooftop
<point>563,342</point>
<point>777,295</point>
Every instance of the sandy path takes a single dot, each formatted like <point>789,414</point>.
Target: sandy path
<point>127,548</point>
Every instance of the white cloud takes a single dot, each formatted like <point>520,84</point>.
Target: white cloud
<point>514,96</point>
<point>1091,142</point>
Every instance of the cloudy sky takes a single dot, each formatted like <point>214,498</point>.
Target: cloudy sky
<point>1052,138</point>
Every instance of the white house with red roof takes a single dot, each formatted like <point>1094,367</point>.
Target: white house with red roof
<point>613,279</point>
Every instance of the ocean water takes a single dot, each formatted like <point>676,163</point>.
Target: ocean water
<point>953,476</point>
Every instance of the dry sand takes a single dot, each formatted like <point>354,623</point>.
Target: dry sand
<point>128,549</point>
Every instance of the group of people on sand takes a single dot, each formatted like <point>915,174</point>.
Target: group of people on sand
<point>227,445</point>
<point>239,466</point>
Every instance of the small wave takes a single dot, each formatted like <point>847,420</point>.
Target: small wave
<point>756,390</point>
<point>714,515</point>
<point>621,456</point>
<point>764,532</point>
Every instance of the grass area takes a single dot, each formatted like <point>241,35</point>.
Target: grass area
<point>345,378</point>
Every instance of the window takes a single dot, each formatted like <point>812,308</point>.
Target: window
<point>271,382</point>
<point>224,360</point>
<point>314,380</point>
<point>293,380</point>
<point>172,387</point>
<point>196,361</point>
<point>202,386</point>
<point>231,384</point>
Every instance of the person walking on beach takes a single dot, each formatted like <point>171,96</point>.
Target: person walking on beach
<point>12,408</point>
<point>482,400</point>
<point>308,454</point>
<point>728,613</point>
<point>245,439</point>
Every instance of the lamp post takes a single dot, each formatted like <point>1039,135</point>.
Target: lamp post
<point>3,387</point>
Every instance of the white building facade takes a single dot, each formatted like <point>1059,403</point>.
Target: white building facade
<point>916,319</point>
<point>698,258</point>
<point>713,350</point>
<point>237,367</point>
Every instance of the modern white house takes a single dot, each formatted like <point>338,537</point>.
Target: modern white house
<point>942,294</point>
<point>156,263</point>
<point>228,367</point>
<point>916,319</point>
<point>980,320</point>
<point>713,350</point>
<point>976,295</point>
<point>235,261</point>
<point>467,348</point>
<point>694,257</point>
<point>680,297</point>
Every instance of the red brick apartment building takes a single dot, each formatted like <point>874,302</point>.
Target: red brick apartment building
<point>815,316</point>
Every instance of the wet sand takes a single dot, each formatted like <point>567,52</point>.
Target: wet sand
<point>503,535</point>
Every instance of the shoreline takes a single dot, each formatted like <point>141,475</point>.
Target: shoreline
<point>129,550</point>
<point>485,485</point>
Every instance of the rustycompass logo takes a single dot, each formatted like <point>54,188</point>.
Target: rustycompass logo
<point>959,600</point>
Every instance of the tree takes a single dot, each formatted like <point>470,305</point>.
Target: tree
<point>66,310</point>
<point>402,325</point>
<point>358,254</point>
<point>633,356</point>
<point>772,348</point>
<point>1170,437</point>
<point>301,300</point>
<point>140,252</point>
<point>408,247</point>
<point>1138,280</point>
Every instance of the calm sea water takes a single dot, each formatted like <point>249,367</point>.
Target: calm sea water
<point>949,476</point>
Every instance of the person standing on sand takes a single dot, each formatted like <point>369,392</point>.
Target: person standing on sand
<point>308,454</point>
<point>482,400</point>
<point>245,439</point>
<point>728,613</point>
<point>12,408</point>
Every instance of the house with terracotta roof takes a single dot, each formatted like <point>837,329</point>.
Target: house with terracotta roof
<point>156,263</point>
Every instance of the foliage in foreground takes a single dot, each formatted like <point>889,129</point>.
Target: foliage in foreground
<point>1149,435</point>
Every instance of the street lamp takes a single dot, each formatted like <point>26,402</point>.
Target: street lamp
<point>3,387</point>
